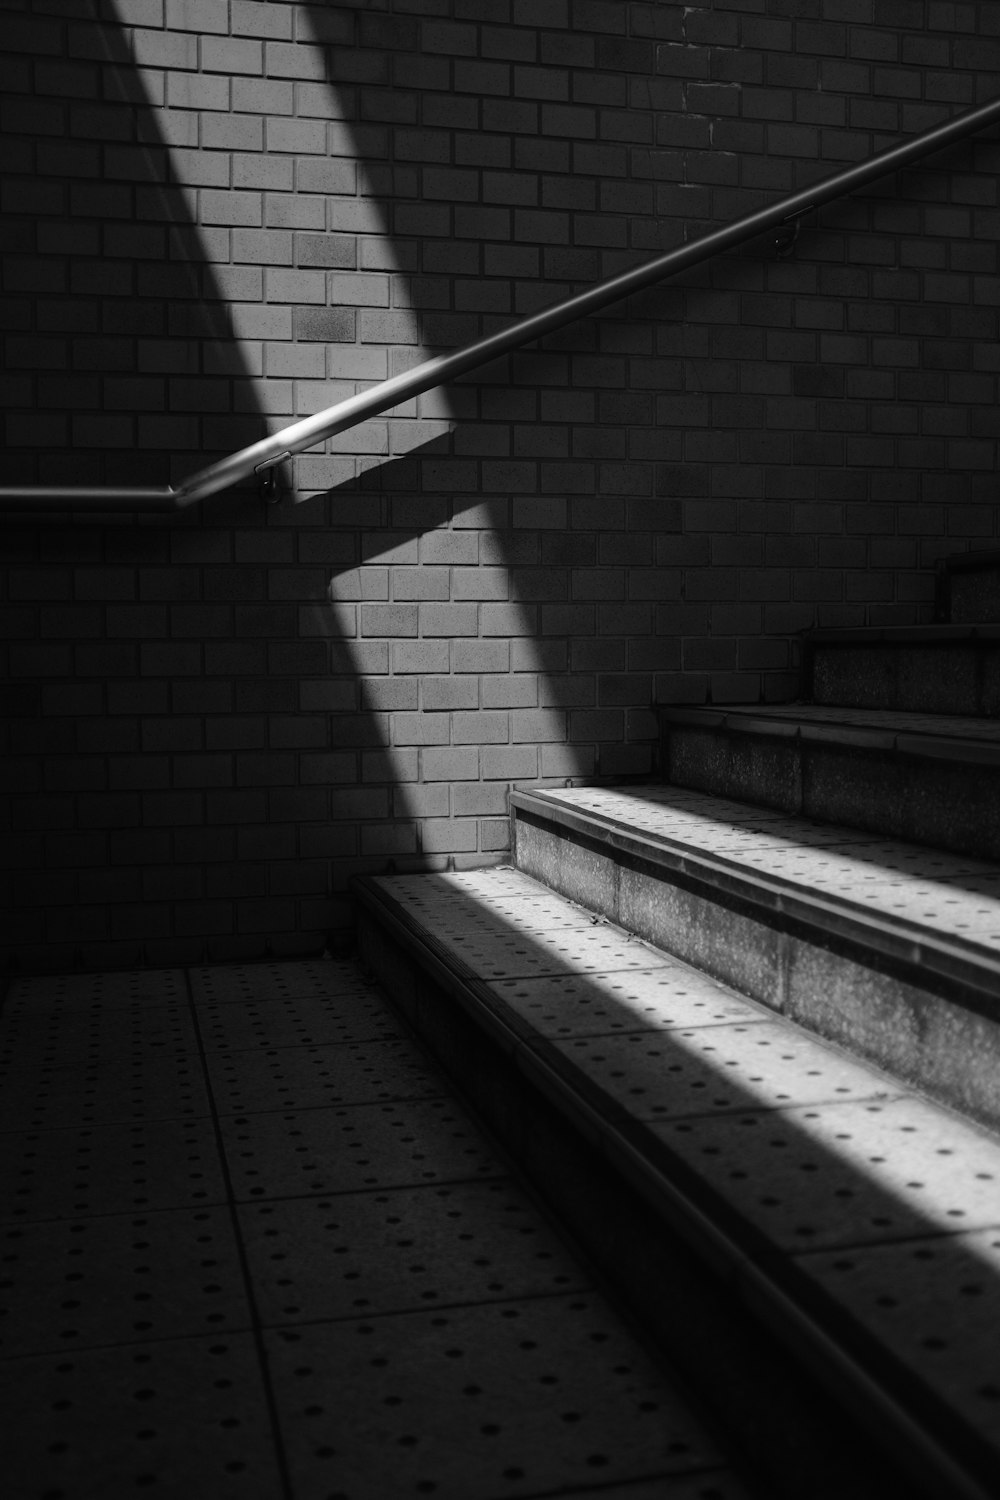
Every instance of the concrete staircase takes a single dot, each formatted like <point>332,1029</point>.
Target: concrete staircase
<point>742,1031</point>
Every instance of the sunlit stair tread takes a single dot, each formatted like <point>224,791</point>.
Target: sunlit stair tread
<point>888,948</point>
<point>902,894</point>
<point>809,1173</point>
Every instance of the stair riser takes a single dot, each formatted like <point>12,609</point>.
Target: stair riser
<point>945,679</point>
<point>882,1010</point>
<point>947,804</point>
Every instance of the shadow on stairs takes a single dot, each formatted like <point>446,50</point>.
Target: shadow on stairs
<point>742,1033</point>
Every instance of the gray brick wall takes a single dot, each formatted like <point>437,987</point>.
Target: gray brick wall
<point>219,216</point>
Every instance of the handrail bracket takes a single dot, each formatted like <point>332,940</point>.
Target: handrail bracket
<point>788,231</point>
<point>268,475</point>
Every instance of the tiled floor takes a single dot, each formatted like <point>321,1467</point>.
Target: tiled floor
<point>251,1247</point>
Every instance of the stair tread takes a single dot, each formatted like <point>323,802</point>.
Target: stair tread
<point>854,1192</point>
<point>924,895</point>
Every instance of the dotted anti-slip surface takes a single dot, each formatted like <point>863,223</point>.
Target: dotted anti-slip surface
<point>936,1305</point>
<point>947,896</point>
<point>87,1064</point>
<point>107,1279</point>
<point>709,1069</point>
<point>577,1005</point>
<point>518,1398</point>
<point>251,1249</point>
<point>279,1154</point>
<point>846,1174</point>
<point>813,1150</point>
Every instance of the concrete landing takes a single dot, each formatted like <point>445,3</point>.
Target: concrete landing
<point>254,1249</point>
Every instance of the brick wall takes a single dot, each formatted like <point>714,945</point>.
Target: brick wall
<point>219,214</point>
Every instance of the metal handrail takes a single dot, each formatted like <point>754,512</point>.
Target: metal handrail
<point>309,431</point>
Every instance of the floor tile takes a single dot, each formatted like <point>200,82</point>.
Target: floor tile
<point>310,1077</point>
<point>109,1169</point>
<point>174,1418</point>
<point>303,1020</point>
<point>353,1148</point>
<point>72,992</point>
<point>236,983</point>
<point>518,1398</point>
<point>359,1254</point>
<point>122,1089</point>
<point>49,1038</point>
<point>119,1279</point>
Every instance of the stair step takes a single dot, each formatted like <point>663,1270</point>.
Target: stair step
<point>929,778</point>
<point>939,669</point>
<point>888,948</point>
<point>848,1213</point>
<point>969,587</point>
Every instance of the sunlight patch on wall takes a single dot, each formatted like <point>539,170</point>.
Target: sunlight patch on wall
<point>292,228</point>
<point>440,693</point>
